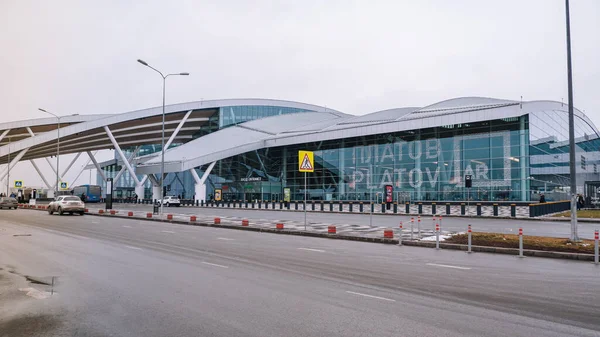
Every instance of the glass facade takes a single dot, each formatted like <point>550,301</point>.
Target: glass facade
<point>426,164</point>
<point>549,150</point>
<point>231,115</point>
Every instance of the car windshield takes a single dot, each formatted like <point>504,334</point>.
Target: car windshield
<point>72,199</point>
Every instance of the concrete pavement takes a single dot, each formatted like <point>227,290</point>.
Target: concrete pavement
<point>452,224</point>
<point>138,278</point>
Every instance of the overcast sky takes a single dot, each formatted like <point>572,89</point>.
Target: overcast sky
<point>354,56</point>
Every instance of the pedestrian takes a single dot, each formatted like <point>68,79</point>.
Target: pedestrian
<point>542,199</point>
<point>580,202</point>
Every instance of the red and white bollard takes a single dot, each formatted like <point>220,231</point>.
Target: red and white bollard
<point>419,228</point>
<point>440,221</point>
<point>331,230</point>
<point>469,240</point>
<point>193,218</point>
<point>400,234</point>
<point>279,226</point>
<point>245,223</point>
<point>148,215</point>
<point>217,221</point>
<point>521,242</point>
<point>129,213</point>
<point>169,216</point>
<point>596,248</point>
<point>412,222</point>
<point>437,236</point>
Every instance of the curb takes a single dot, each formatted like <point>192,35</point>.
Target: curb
<point>425,244</point>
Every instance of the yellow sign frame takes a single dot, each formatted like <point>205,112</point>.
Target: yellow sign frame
<point>306,161</point>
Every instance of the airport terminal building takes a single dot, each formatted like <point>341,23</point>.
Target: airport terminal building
<point>247,149</point>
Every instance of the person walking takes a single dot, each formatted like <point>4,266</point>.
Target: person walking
<point>580,202</point>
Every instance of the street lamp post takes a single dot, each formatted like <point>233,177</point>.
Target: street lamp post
<point>8,174</point>
<point>57,148</point>
<point>162,147</point>
<point>572,170</point>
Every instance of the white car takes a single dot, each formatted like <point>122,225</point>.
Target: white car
<point>170,201</point>
<point>66,204</point>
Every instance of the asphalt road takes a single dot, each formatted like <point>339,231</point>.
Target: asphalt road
<point>453,224</point>
<point>122,277</point>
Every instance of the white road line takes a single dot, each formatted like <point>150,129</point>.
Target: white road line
<point>447,266</point>
<point>127,226</point>
<point>313,250</point>
<point>226,239</point>
<point>131,247</point>
<point>168,232</point>
<point>371,296</point>
<point>216,265</point>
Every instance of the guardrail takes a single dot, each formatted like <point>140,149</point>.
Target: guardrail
<point>548,208</point>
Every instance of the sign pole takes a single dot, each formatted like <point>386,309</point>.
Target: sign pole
<point>304,201</point>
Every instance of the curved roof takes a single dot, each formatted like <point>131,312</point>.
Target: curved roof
<point>141,127</point>
<point>293,129</point>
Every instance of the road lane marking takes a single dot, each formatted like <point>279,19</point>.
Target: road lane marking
<point>214,264</point>
<point>313,250</point>
<point>168,232</point>
<point>226,239</point>
<point>126,226</point>
<point>131,247</point>
<point>371,296</point>
<point>447,266</point>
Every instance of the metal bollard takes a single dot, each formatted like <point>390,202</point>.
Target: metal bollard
<point>419,227</point>
<point>521,242</point>
<point>469,240</point>
<point>440,219</point>
<point>437,237</point>
<point>596,247</point>
<point>412,221</point>
<point>400,236</point>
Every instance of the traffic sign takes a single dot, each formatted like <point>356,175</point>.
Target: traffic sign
<point>306,161</point>
<point>64,185</point>
<point>18,183</point>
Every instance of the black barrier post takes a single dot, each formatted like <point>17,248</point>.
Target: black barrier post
<point>331,206</point>
<point>259,204</point>
<point>201,203</point>
<point>295,205</point>
<point>280,204</point>
<point>462,208</point>
<point>513,210</point>
<point>229,204</point>
<point>312,207</point>
<point>372,204</point>
<point>322,206</point>
<point>478,209</point>
<point>420,208</point>
<point>408,208</point>
<point>360,207</point>
<point>273,204</point>
<point>396,209</point>
<point>383,207</point>
<point>433,208</point>
<point>495,209</point>
<point>350,207</point>
<point>447,208</point>
<point>340,206</point>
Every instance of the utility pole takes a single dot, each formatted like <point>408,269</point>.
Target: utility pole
<point>572,169</point>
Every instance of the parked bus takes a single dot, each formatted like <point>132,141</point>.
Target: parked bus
<point>93,193</point>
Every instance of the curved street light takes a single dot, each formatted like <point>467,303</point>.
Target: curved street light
<point>162,147</point>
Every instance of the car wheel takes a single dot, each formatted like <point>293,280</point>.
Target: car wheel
<point>50,211</point>
<point>168,205</point>
<point>81,213</point>
<point>60,211</point>
<point>70,213</point>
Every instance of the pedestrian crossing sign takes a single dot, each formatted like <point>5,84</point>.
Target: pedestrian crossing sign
<point>64,185</point>
<point>18,183</point>
<point>306,161</point>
